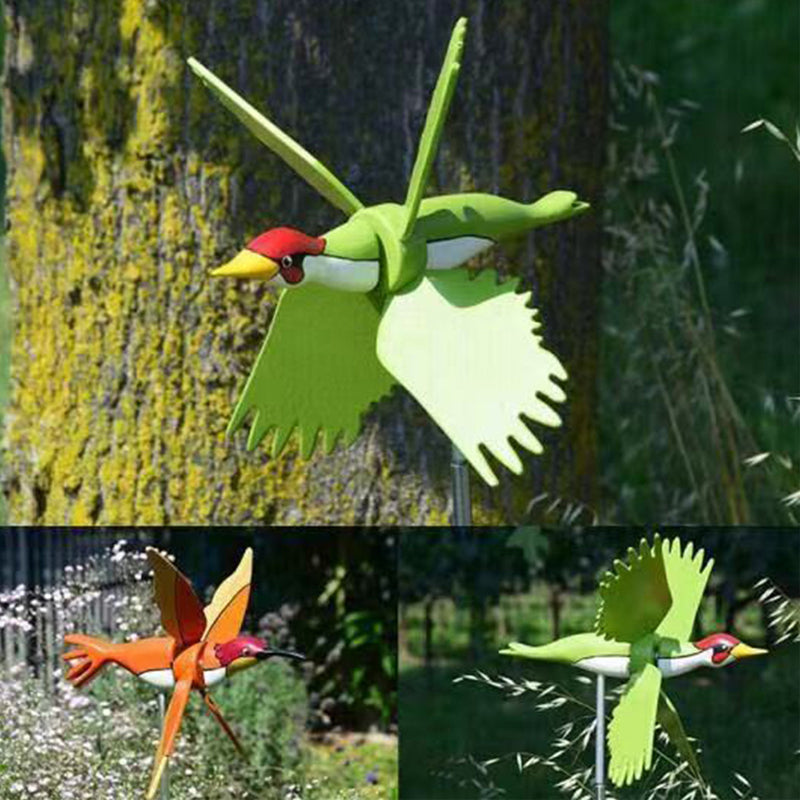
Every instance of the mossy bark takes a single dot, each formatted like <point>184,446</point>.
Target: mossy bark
<point>127,182</point>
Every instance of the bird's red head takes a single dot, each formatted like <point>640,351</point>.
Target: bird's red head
<point>240,647</point>
<point>725,649</point>
<point>278,252</point>
<point>245,651</point>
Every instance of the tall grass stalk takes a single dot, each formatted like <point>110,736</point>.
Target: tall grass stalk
<point>569,758</point>
<point>675,437</point>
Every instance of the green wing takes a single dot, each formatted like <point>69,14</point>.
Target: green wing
<point>317,370</point>
<point>670,722</point>
<point>300,160</point>
<point>630,733</point>
<point>467,351</point>
<point>635,596</point>
<point>687,581</point>
<point>434,122</point>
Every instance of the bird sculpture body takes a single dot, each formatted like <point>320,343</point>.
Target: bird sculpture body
<point>643,635</point>
<point>384,298</point>
<point>203,647</point>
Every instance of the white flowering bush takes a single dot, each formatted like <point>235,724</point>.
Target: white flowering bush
<point>60,743</point>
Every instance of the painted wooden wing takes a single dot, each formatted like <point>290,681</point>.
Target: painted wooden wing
<point>687,579</point>
<point>172,724</point>
<point>467,349</point>
<point>634,595</point>
<point>181,612</point>
<point>317,371</point>
<point>308,167</point>
<point>632,727</point>
<point>225,613</point>
<point>434,123</point>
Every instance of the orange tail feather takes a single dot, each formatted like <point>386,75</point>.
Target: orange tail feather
<point>86,660</point>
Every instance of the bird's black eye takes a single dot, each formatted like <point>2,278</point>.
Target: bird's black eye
<point>721,648</point>
<point>286,262</point>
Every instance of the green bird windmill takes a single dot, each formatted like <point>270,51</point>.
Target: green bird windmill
<point>384,299</point>
<point>642,635</point>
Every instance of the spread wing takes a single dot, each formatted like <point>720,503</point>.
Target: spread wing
<point>181,612</point>
<point>300,160</point>
<point>630,733</point>
<point>214,710</point>
<point>434,122</point>
<point>670,722</point>
<point>317,370</point>
<point>687,579</point>
<point>634,596</point>
<point>225,613</point>
<point>172,724</point>
<point>467,350</point>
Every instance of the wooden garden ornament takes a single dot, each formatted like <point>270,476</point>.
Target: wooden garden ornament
<point>647,611</point>
<point>384,299</point>
<point>203,646</point>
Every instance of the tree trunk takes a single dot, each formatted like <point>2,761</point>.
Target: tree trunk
<point>428,641</point>
<point>127,182</point>
<point>556,603</point>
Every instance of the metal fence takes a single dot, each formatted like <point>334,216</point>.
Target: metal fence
<point>36,571</point>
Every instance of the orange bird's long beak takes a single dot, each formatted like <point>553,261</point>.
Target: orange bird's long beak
<point>247,264</point>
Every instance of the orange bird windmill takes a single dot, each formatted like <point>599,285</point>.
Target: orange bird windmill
<point>203,646</point>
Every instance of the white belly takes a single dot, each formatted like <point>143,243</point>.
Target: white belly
<point>449,253</point>
<point>164,679</point>
<point>679,666</point>
<point>610,666</point>
<point>618,666</point>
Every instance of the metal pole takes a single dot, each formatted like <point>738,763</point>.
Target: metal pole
<point>165,777</point>
<point>600,739</point>
<point>462,507</point>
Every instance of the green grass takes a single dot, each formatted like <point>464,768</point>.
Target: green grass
<point>355,765</point>
<point>745,716</point>
<point>738,60</point>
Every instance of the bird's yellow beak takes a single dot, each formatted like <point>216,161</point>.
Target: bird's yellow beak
<point>248,264</point>
<point>743,650</point>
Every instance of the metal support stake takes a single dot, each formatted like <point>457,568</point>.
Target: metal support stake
<point>600,739</point>
<point>162,709</point>
<point>462,507</point>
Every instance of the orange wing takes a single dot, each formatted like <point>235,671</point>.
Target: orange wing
<point>181,612</point>
<point>172,723</point>
<point>214,709</point>
<point>224,615</point>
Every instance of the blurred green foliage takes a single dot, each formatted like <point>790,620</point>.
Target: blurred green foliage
<point>360,768</point>
<point>713,310</point>
<point>739,61</point>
